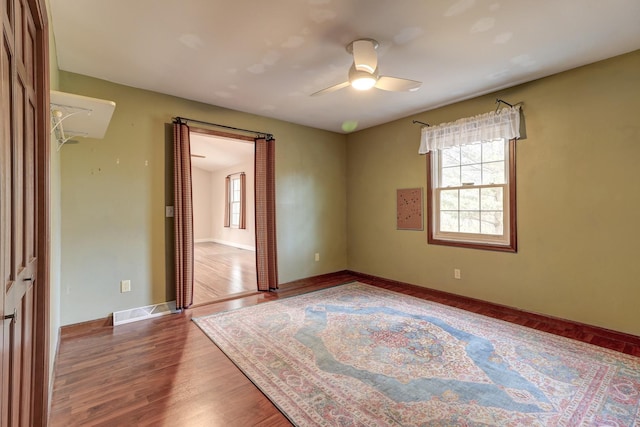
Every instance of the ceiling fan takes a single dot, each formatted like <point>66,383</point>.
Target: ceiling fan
<point>363,74</point>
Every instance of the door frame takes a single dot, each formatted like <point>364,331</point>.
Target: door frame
<point>42,298</point>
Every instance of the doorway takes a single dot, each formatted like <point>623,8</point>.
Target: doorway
<point>224,246</point>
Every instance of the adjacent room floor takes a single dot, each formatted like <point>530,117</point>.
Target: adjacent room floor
<point>221,271</point>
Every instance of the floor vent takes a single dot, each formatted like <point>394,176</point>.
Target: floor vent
<point>142,313</point>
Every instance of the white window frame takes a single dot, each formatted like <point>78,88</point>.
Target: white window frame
<point>506,241</point>
<point>234,215</point>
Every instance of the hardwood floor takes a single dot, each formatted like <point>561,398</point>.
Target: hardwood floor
<point>157,372</point>
<point>165,371</point>
<point>221,271</point>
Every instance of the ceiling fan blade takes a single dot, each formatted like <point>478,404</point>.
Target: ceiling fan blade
<point>396,84</point>
<point>331,89</point>
<point>365,57</point>
<point>200,156</point>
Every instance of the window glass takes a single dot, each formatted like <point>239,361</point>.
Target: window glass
<point>472,200</point>
<point>234,201</point>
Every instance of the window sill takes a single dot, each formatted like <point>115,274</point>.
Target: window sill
<point>512,247</point>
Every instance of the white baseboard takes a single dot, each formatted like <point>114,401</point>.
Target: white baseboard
<point>226,243</point>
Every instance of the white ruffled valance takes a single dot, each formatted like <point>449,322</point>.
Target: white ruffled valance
<point>504,123</point>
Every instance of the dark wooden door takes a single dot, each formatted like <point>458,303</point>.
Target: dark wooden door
<point>18,241</point>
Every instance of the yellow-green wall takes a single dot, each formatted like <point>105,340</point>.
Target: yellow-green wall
<point>55,251</point>
<point>578,193</point>
<point>113,198</point>
<point>577,185</point>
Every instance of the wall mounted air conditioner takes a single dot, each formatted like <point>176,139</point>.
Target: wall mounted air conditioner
<point>79,116</point>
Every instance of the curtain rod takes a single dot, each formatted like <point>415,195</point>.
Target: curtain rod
<point>498,102</point>
<point>267,136</point>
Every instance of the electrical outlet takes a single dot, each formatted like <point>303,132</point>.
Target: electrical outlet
<point>456,273</point>
<point>317,256</point>
<point>125,286</point>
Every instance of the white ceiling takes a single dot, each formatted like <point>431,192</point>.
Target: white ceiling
<point>267,57</point>
<point>219,153</point>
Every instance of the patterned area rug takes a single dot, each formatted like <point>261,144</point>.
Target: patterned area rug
<point>357,355</point>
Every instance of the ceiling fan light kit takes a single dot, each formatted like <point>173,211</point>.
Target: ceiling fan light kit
<point>363,83</point>
<point>363,74</point>
<point>362,80</point>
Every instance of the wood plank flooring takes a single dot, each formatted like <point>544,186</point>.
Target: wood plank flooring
<point>165,371</point>
<point>157,372</point>
<point>221,271</point>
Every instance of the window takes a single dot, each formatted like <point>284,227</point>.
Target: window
<point>235,201</point>
<point>471,192</point>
